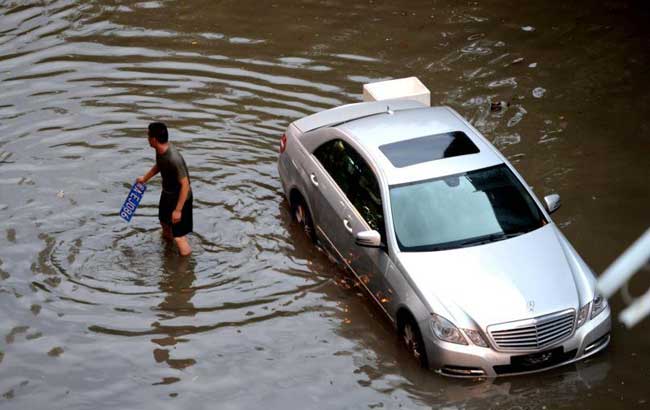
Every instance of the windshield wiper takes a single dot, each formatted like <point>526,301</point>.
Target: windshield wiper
<point>481,240</point>
<point>494,237</point>
<point>513,234</point>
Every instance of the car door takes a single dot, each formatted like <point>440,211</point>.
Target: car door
<point>356,207</point>
<point>364,211</point>
<point>327,178</point>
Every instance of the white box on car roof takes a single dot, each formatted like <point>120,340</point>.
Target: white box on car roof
<point>410,88</point>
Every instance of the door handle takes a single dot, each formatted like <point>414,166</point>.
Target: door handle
<point>313,179</point>
<point>346,223</point>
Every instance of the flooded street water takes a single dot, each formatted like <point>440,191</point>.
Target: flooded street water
<point>97,313</point>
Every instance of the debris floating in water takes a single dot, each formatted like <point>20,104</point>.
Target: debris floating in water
<point>55,352</point>
<point>532,65</point>
<point>503,140</point>
<point>538,92</point>
<point>60,194</point>
<point>528,28</point>
<point>498,106</point>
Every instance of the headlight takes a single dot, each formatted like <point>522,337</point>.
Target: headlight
<point>600,303</point>
<point>445,330</point>
<point>583,314</point>
<point>475,337</point>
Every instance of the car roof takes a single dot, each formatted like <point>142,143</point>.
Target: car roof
<point>375,131</point>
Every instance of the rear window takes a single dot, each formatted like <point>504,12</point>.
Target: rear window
<point>428,148</point>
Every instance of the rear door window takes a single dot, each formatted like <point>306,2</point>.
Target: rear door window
<point>333,156</point>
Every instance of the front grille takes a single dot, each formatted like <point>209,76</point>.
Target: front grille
<point>533,334</point>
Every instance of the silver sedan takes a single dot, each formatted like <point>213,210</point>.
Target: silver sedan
<point>446,237</point>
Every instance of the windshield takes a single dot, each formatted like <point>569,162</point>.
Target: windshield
<point>480,206</point>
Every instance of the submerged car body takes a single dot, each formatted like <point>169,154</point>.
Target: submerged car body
<point>446,237</point>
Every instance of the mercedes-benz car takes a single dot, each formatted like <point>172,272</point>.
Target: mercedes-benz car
<point>445,236</point>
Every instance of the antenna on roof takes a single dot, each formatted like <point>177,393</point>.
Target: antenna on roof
<point>389,111</point>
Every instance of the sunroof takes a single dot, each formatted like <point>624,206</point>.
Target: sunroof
<point>428,148</point>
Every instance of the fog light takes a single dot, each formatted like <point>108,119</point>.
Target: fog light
<point>463,371</point>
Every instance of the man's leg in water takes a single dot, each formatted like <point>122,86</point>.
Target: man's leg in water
<point>183,245</point>
<point>166,231</point>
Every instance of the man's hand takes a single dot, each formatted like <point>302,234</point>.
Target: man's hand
<point>176,216</point>
<point>143,179</point>
<point>185,189</point>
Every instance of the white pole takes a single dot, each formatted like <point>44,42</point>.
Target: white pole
<point>634,313</point>
<point>625,266</point>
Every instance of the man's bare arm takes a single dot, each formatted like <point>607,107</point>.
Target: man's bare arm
<point>143,179</point>
<point>185,190</point>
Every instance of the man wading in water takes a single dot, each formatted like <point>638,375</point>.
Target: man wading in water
<point>175,208</point>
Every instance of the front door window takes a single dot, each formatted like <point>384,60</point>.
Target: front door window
<point>355,178</point>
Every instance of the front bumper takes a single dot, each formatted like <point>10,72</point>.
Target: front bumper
<point>455,360</point>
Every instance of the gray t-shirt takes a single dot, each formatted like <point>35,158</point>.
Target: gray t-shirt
<point>172,168</point>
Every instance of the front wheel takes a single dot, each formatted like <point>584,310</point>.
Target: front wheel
<point>303,217</point>
<point>411,337</point>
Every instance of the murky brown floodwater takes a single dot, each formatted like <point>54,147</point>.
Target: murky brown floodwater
<point>96,313</point>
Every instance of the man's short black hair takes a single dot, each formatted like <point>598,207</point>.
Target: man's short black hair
<point>158,130</point>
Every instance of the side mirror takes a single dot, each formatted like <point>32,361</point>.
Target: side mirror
<point>369,239</point>
<point>552,202</point>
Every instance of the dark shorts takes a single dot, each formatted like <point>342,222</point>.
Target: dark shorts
<point>167,205</point>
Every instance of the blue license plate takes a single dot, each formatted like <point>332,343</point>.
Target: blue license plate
<point>132,201</point>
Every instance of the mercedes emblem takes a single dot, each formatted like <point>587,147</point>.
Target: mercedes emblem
<point>531,305</point>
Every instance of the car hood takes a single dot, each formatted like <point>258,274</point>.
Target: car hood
<point>512,279</point>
